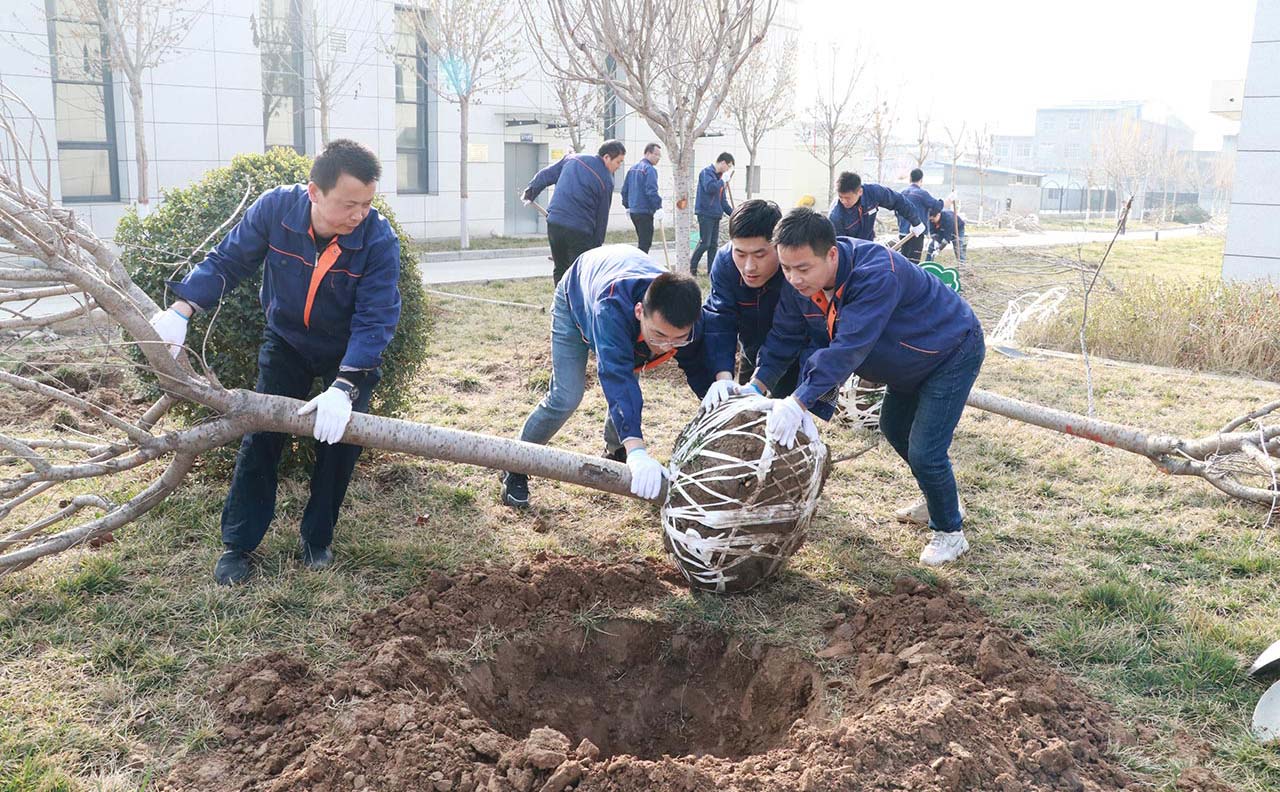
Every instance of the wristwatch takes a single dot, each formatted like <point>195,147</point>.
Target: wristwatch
<point>352,391</point>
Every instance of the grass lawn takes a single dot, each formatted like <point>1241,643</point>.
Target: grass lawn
<point>1155,592</point>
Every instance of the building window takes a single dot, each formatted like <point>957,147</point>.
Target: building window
<point>612,115</point>
<point>414,103</point>
<point>84,114</point>
<point>1073,151</point>
<point>1048,123</point>
<point>1002,150</point>
<point>1073,123</point>
<point>1024,149</point>
<point>278,34</point>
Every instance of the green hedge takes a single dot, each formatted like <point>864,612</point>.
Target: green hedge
<point>157,247</point>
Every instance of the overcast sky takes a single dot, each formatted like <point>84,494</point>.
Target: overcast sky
<point>996,61</point>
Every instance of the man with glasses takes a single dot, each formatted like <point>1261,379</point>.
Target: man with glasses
<point>617,302</point>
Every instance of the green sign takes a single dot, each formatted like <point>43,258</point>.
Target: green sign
<point>948,275</point>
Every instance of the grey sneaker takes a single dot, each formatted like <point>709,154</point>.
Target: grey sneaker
<point>515,490</point>
<point>944,548</point>
<point>233,567</point>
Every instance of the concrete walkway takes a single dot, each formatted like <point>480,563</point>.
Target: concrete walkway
<point>525,264</point>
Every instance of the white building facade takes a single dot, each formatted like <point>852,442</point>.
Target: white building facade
<point>224,92</point>
<point>1253,231</point>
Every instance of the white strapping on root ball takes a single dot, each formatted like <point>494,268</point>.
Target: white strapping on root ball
<point>738,505</point>
<point>861,399</point>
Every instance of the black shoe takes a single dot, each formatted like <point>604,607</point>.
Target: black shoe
<point>618,454</point>
<point>515,490</point>
<point>233,567</point>
<point>315,558</point>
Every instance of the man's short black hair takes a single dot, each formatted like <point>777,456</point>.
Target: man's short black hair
<point>848,182</point>
<point>652,147</point>
<point>754,218</point>
<point>676,296</point>
<point>803,226</point>
<point>344,156</point>
<point>934,213</point>
<point>725,157</point>
<point>611,148</point>
<point>916,175</point>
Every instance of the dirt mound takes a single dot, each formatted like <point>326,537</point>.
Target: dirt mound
<point>931,695</point>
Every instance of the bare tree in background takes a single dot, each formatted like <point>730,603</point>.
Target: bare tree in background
<point>835,122</point>
<point>580,104</point>
<point>1127,160</point>
<point>955,141</point>
<point>924,145</point>
<point>671,61</point>
<point>762,96</point>
<point>880,131</point>
<point>334,64</point>
<point>139,35</point>
<point>1224,177</point>
<point>982,161</point>
<point>472,45</point>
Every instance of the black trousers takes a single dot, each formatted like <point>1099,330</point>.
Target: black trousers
<point>644,230</point>
<point>566,245</point>
<point>912,248</point>
<point>708,240</point>
<point>251,502</point>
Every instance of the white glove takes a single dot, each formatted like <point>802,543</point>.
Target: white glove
<point>659,215</point>
<point>333,411</point>
<point>809,428</point>
<point>646,474</point>
<point>171,326</point>
<point>726,175</point>
<point>784,419</point>
<point>917,229</point>
<point>719,391</point>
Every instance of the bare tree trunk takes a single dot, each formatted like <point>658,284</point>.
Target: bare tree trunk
<point>683,162</point>
<point>464,135</point>
<point>139,137</point>
<point>751,166</point>
<point>324,121</point>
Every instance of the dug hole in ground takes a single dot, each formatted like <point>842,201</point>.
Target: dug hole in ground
<point>917,689</point>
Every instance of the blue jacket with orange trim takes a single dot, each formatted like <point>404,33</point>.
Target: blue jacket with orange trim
<point>923,202</point>
<point>944,228</point>
<point>736,311</point>
<point>342,305</point>
<point>603,287</point>
<point>711,200</point>
<point>640,189</point>
<point>583,195</point>
<point>888,321</point>
<point>859,220</point>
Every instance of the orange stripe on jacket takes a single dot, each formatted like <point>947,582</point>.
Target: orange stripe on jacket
<point>830,308</point>
<point>323,264</point>
<point>658,361</point>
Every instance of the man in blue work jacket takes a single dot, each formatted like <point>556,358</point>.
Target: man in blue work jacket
<point>710,204</point>
<point>332,302</point>
<point>946,226</point>
<point>617,302</point>
<point>640,195</point>
<point>854,212</point>
<point>857,307</point>
<point>925,204</point>
<point>745,286</point>
<point>579,214</point>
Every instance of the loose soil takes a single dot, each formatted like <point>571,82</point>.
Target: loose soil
<point>929,694</point>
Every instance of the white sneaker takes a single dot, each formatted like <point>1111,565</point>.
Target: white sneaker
<point>943,548</point>
<point>918,513</point>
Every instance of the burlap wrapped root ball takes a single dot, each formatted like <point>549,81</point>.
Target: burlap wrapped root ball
<point>739,506</point>
<point>860,402</point>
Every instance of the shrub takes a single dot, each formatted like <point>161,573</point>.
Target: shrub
<point>160,246</point>
<point>1190,214</point>
<point>1205,325</point>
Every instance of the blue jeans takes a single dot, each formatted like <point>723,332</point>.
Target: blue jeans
<point>920,425</point>
<point>708,241</point>
<point>568,378</point>
<point>251,503</point>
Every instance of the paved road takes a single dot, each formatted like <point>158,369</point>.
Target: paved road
<point>539,266</point>
<point>526,266</point>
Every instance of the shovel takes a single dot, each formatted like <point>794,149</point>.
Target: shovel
<point>1267,662</point>
<point>1266,716</point>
